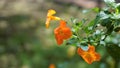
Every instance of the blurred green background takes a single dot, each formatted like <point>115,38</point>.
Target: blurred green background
<point>26,43</point>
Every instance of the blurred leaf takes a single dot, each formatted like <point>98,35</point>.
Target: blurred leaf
<point>96,9</point>
<point>72,41</point>
<point>114,51</point>
<point>103,15</point>
<point>106,22</point>
<point>115,16</point>
<point>89,28</point>
<point>118,7</point>
<point>110,3</point>
<point>117,26</point>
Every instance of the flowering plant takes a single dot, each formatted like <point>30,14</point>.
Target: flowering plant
<point>98,32</point>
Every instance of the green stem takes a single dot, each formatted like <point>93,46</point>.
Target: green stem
<point>78,35</point>
<point>76,32</point>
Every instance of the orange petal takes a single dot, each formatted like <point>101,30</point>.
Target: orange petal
<point>88,58</point>
<point>50,17</point>
<point>47,22</point>
<point>62,23</point>
<point>58,37</point>
<point>90,55</point>
<point>97,57</point>
<point>51,12</point>
<point>67,32</point>
<point>85,55</point>
<point>80,52</point>
<point>55,18</point>
<point>59,41</point>
<point>91,48</point>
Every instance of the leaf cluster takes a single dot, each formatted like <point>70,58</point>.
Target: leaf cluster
<point>97,30</point>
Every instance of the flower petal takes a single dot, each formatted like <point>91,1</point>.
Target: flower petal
<point>97,57</point>
<point>62,23</point>
<point>80,52</point>
<point>58,37</point>
<point>47,22</point>
<point>56,18</point>
<point>67,33</point>
<point>51,12</point>
<point>50,17</point>
<point>88,58</point>
<point>91,48</point>
<point>90,55</point>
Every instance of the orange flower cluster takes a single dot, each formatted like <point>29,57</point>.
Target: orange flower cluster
<point>90,55</point>
<point>62,32</point>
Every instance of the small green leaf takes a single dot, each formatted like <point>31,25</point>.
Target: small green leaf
<point>106,22</point>
<point>117,6</point>
<point>110,3</point>
<point>96,9</point>
<point>115,16</point>
<point>72,41</point>
<point>103,15</point>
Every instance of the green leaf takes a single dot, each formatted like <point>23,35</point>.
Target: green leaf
<point>96,9</point>
<point>106,22</point>
<point>96,21</point>
<point>117,6</point>
<point>89,27</point>
<point>72,41</point>
<point>110,3</point>
<point>109,29</point>
<point>103,15</point>
<point>73,20</point>
<point>115,16</point>
<point>117,26</point>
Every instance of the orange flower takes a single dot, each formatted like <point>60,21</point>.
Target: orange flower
<point>51,17</point>
<point>52,66</point>
<point>90,55</point>
<point>62,32</point>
